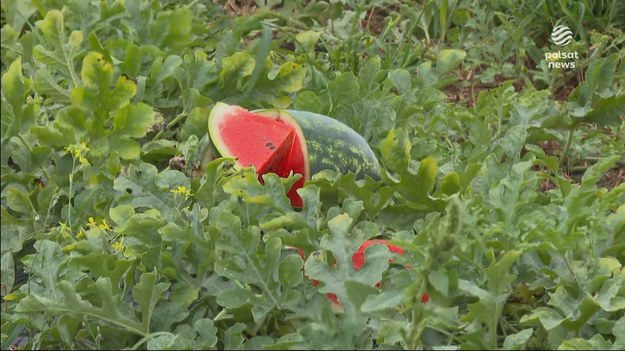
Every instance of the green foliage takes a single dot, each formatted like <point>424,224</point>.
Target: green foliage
<point>114,238</point>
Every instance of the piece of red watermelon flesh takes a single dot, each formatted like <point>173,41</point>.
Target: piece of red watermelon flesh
<point>296,162</point>
<point>271,145</point>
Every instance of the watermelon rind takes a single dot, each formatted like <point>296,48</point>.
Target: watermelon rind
<point>330,144</point>
<point>216,116</point>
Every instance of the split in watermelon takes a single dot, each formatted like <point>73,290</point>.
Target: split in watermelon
<point>285,141</point>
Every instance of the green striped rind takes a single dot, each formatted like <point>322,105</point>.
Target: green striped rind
<point>331,144</point>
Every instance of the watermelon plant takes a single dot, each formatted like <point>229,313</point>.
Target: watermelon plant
<point>311,175</point>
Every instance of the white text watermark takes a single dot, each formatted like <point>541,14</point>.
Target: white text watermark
<point>561,59</point>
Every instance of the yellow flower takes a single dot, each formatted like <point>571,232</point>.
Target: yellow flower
<point>79,151</point>
<point>72,149</point>
<point>81,234</point>
<point>182,190</point>
<point>64,226</point>
<point>69,148</point>
<point>91,223</point>
<point>83,161</point>
<point>104,225</point>
<point>118,246</point>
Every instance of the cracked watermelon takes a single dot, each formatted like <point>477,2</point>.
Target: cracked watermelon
<point>285,141</point>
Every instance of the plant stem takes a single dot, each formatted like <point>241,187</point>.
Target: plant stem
<point>171,124</point>
<point>567,146</point>
<point>69,200</point>
<point>416,324</point>
<point>147,338</point>
<point>25,143</point>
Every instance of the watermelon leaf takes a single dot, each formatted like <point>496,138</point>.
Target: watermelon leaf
<point>144,187</point>
<point>342,245</point>
<point>58,49</point>
<point>244,259</point>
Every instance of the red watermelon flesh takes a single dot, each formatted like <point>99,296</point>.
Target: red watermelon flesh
<point>256,140</point>
<point>270,144</point>
<point>295,162</point>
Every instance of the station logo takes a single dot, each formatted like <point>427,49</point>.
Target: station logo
<point>562,36</point>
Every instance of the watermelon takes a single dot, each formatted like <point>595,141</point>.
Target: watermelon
<point>284,141</point>
<point>358,261</point>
